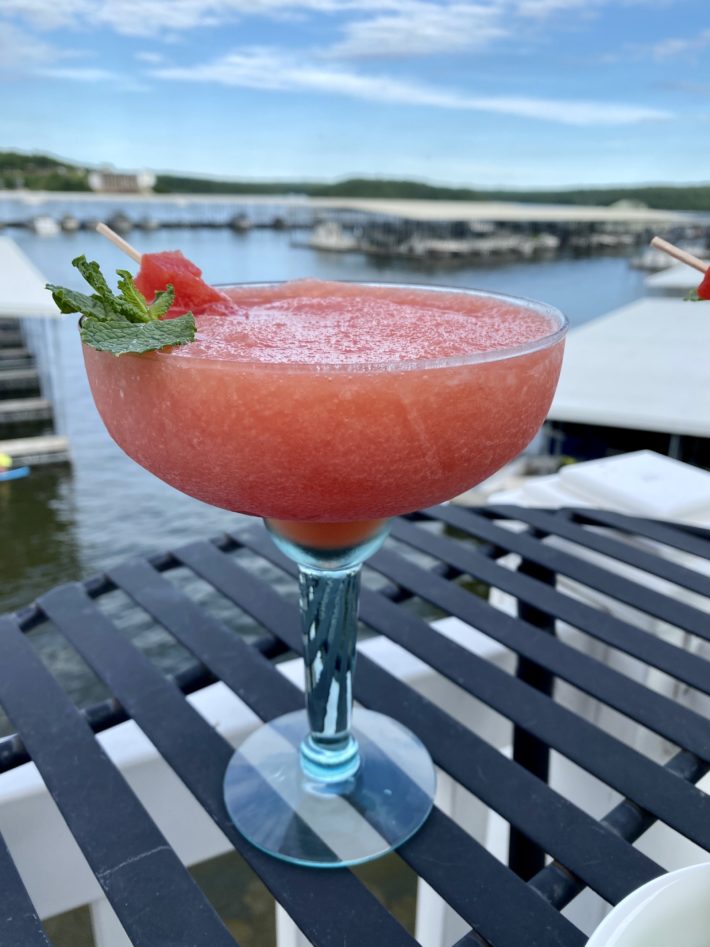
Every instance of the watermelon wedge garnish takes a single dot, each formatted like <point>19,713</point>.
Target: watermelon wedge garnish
<point>192,294</point>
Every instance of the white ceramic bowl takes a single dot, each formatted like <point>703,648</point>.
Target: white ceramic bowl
<point>670,911</point>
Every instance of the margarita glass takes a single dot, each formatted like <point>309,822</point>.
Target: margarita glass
<point>327,408</point>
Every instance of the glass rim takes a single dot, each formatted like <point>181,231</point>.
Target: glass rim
<point>559,321</point>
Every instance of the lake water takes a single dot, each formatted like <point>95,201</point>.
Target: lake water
<point>65,523</point>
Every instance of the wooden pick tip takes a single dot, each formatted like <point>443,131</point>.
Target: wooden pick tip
<point>123,245</point>
<point>682,255</point>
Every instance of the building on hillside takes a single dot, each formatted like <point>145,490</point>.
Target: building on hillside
<point>108,181</point>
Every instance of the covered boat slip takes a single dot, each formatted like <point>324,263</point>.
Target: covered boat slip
<point>642,368</point>
<point>564,730</point>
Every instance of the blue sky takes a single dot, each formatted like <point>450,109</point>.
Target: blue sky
<point>491,92</point>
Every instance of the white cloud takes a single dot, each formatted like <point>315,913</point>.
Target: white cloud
<point>448,20</point>
<point>263,68</point>
<point>80,73</point>
<point>20,52</point>
<point>539,9</point>
<point>48,14</point>
<point>418,28</point>
<point>149,17</point>
<point>670,48</point>
<point>145,55</point>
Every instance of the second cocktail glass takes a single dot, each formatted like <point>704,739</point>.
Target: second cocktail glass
<point>326,450</point>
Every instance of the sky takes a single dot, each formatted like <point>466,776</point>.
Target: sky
<point>511,93</point>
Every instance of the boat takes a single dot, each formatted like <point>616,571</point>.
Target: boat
<point>329,235</point>
<point>14,473</point>
<point>120,222</point>
<point>69,223</point>
<point>44,226</point>
<point>241,223</point>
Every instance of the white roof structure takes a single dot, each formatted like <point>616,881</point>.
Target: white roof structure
<point>22,292</point>
<point>643,367</point>
<point>677,279</point>
<point>504,211</point>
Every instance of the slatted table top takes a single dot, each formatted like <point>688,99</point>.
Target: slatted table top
<point>651,569</point>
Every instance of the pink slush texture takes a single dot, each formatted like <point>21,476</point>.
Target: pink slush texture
<point>251,418</point>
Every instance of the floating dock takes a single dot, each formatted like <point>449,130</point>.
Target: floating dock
<point>37,451</point>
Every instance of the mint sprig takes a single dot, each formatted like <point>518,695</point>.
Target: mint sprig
<point>125,322</point>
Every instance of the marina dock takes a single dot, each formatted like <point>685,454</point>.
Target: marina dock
<point>503,211</point>
<point>641,368</point>
<point>27,416</point>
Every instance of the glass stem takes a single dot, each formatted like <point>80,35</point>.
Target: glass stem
<point>329,605</point>
<point>329,582</point>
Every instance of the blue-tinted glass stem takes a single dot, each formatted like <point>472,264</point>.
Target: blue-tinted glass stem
<point>329,602</point>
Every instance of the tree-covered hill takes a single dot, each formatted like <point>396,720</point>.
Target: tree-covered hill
<point>40,172</point>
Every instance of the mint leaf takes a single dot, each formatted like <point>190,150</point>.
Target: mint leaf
<point>693,296</point>
<point>135,302</point>
<point>162,302</point>
<point>68,301</point>
<point>122,337</point>
<point>91,271</point>
<point>125,322</point>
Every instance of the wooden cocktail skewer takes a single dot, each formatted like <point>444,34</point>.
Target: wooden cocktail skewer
<point>660,244</point>
<point>122,244</point>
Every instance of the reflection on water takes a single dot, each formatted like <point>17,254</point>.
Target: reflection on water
<point>39,542</point>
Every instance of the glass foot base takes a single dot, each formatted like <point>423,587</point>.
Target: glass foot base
<point>330,825</point>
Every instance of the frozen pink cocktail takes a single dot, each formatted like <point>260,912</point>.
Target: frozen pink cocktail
<point>327,408</point>
<point>335,403</point>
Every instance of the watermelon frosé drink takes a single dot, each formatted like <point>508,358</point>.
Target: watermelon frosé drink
<point>326,403</point>
<point>327,408</point>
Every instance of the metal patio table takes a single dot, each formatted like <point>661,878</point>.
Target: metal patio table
<point>153,895</point>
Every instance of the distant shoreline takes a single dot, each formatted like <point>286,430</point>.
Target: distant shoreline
<point>420,210</point>
<point>28,196</point>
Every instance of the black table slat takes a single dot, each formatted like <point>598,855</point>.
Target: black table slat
<point>556,884</point>
<point>684,807</point>
<point>20,925</point>
<point>469,759</point>
<point>585,847</point>
<point>274,613</point>
<point>554,525</point>
<point>687,667</point>
<point>217,644</point>
<point>154,897</point>
<point>247,591</point>
<point>676,613</point>
<point>678,536</point>
<point>220,650</point>
<point>596,751</point>
<point>476,887</point>
<point>199,755</point>
<point>672,720</point>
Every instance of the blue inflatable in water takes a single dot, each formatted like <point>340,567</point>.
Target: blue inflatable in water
<point>14,473</point>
